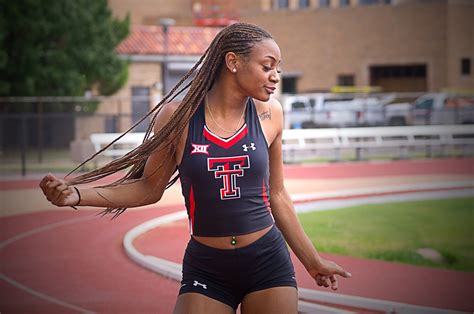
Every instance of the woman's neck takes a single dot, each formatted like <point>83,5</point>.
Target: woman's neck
<point>225,101</point>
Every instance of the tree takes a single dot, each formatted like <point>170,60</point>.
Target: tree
<point>60,48</point>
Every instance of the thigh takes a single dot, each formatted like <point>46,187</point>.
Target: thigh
<point>276,300</point>
<point>195,303</point>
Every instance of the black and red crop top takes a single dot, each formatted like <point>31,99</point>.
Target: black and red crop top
<point>225,181</point>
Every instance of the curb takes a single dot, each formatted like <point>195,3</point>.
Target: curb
<point>324,201</point>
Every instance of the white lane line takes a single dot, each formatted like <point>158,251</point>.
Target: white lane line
<point>158,265</point>
<point>372,191</point>
<point>33,232</point>
<point>372,304</point>
<point>43,228</point>
<point>43,296</point>
<point>308,308</point>
<point>319,205</point>
<point>173,270</point>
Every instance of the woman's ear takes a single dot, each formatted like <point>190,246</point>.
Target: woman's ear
<point>231,62</point>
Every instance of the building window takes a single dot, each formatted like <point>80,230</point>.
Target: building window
<point>289,84</point>
<point>304,4</point>
<point>140,107</point>
<point>344,3</point>
<point>399,78</point>
<point>281,4</point>
<point>111,123</point>
<point>399,71</point>
<point>345,80</point>
<point>323,3</point>
<point>465,66</point>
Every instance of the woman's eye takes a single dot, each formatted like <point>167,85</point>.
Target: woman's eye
<point>267,68</point>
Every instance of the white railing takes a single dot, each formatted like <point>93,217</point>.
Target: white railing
<point>121,147</point>
<point>302,143</point>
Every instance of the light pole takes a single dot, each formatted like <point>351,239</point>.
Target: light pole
<point>166,23</point>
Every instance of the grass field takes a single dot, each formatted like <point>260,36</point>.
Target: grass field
<point>394,231</point>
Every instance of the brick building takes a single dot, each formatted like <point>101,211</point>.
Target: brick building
<point>399,45</point>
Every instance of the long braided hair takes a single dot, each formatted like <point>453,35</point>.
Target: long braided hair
<point>238,38</point>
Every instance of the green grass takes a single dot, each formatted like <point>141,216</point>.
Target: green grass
<point>394,231</point>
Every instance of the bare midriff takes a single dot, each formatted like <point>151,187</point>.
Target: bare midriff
<point>226,242</point>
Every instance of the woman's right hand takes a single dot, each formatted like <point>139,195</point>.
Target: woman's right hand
<point>58,192</point>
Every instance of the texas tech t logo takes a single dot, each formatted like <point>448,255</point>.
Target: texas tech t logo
<point>229,168</point>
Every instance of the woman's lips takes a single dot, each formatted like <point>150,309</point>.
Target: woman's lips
<point>270,90</point>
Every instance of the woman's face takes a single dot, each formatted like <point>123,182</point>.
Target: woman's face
<point>258,74</point>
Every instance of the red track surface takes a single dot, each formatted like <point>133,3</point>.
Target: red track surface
<point>338,170</point>
<point>83,263</point>
<point>372,279</point>
<point>374,169</point>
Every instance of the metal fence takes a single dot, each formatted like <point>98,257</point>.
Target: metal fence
<point>37,134</point>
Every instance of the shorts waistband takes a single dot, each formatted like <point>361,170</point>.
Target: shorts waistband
<point>268,235</point>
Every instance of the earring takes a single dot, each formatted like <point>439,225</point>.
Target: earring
<point>234,70</point>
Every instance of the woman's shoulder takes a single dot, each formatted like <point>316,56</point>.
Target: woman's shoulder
<point>165,113</point>
<point>268,109</point>
<point>170,108</point>
<point>270,115</point>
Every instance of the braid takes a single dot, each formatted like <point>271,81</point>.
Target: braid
<point>238,38</point>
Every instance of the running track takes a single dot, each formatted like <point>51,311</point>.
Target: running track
<point>67,262</point>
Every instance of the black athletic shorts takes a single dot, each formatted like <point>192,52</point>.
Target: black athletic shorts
<point>227,275</point>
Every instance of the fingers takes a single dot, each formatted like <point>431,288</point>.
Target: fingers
<point>58,191</point>
<point>327,281</point>
<point>322,280</point>
<point>341,272</point>
<point>327,275</point>
<point>334,283</point>
<point>50,189</point>
<point>43,182</point>
<point>54,189</point>
<point>48,182</point>
<point>46,179</point>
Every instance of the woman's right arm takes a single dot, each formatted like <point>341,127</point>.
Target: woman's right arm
<point>147,190</point>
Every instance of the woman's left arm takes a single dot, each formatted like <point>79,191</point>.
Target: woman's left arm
<point>323,271</point>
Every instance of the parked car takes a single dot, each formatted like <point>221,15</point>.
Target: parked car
<point>334,110</point>
<point>373,110</point>
<point>433,108</point>
<point>398,114</point>
<point>443,108</point>
<point>303,111</point>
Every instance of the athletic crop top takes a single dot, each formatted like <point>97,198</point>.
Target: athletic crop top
<point>225,182</point>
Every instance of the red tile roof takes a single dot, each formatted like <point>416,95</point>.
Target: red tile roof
<point>146,40</point>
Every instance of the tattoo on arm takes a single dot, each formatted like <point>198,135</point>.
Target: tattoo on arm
<point>266,115</point>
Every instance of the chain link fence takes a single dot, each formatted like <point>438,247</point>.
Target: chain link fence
<point>52,133</point>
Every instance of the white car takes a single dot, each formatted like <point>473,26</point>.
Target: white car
<point>433,108</point>
<point>333,110</point>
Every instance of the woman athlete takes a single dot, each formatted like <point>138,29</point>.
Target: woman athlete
<point>225,140</point>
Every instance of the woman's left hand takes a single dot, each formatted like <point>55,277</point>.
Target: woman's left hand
<point>325,274</point>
